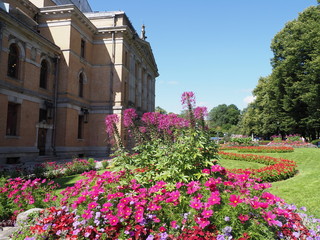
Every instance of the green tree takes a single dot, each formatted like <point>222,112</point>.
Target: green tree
<point>288,101</point>
<point>224,116</point>
<point>160,110</point>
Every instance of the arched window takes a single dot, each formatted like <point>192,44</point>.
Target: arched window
<point>81,82</point>
<point>13,61</point>
<point>44,74</point>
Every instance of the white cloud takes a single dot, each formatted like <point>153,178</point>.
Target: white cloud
<point>249,99</point>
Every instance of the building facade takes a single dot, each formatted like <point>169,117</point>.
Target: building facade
<point>63,68</point>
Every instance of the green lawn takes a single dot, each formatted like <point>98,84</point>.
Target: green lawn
<point>227,163</point>
<point>303,190</point>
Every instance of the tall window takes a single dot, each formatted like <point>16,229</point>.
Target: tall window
<point>43,113</point>
<point>44,74</point>
<point>83,48</point>
<point>81,82</point>
<point>80,126</point>
<point>12,119</point>
<point>13,61</point>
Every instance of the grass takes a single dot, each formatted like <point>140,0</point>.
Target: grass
<point>69,181</point>
<point>303,190</point>
<point>235,164</point>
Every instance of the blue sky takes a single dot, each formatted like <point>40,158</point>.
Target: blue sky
<point>215,48</point>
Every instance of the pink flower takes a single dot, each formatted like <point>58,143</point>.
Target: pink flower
<point>113,220</point>
<point>243,218</point>
<point>207,213</point>
<point>270,218</point>
<point>128,116</point>
<point>193,186</point>
<point>87,214</point>
<point>202,222</point>
<point>110,121</point>
<point>92,205</point>
<point>214,198</point>
<point>206,171</point>
<point>188,98</point>
<point>200,112</point>
<point>174,224</point>
<point>196,204</point>
<point>235,200</point>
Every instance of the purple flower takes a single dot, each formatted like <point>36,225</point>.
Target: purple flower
<point>200,112</point>
<point>150,237</point>
<point>128,116</point>
<point>296,234</point>
<point>188,98</point>
<point>110,121</point>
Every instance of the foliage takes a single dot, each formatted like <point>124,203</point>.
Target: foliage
<point>160,110</point>
<point>224,116</point>
<point>168,148</point>
<point>241,141</point>
<point>288,100</point>
<point>277,168</point>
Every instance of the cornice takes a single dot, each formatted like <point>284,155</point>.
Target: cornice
<point>29,5</point>
<point>69,9</point>
<point>11,22</point>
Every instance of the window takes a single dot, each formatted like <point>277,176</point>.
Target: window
<point>81,82</point>
<point>80,126</point>
<point>43,113</point>
<point>126,59</point>
<point>83,48</point>
<point>43,74</point>
<point>12,119</point>
<point>13,61</point>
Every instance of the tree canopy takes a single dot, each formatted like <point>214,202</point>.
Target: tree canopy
<point>224,117</point>
<point>288,101</point>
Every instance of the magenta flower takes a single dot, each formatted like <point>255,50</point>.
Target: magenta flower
<point>206,171</point>
<point>113,220</point>
<point>87,214</point>
<point>196,204</point>
<point>200,112</point>
<point>214,198</point>
<point>235,200</point>
<point>202,222</point>
<point>110,121</point>
<point>243,218</point>
<point>188,98</point>
<point>207,213</point>
<point>92,205</point>
<point>128,116</point>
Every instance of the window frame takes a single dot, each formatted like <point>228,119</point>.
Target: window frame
<point>13,115</point>
<point>13,59</point>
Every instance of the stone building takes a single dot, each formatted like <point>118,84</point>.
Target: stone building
<point>63,68</point>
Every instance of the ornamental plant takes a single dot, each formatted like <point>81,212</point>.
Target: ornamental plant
<point>168,148</point>
<point>277,168</point>
<point>258,149</point>
<point>18,195</point>
<point>221,206</point>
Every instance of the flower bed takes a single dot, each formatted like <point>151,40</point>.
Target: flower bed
<point>50,169</point>
<point>259,149</point>
<point>223,206</point>
<point>277,168</point>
